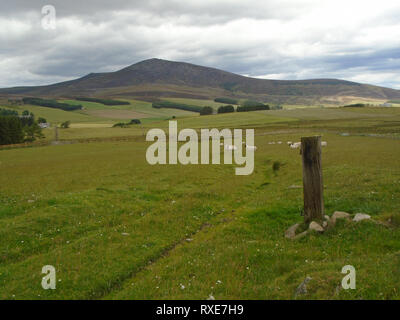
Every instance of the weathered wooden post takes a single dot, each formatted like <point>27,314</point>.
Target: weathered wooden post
<point>312,179</point>
<point>56,133</point>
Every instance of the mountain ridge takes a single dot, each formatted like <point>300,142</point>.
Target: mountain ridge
<point>157,77</point>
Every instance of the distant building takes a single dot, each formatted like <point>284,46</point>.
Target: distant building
<point>44,125</point>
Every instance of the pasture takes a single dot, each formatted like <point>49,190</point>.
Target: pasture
<point>116,227</point>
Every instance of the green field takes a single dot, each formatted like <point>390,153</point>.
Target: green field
<point>116,227</point>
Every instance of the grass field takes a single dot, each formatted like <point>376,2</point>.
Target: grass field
<point>115,227</point>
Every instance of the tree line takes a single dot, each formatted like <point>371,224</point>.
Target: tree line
<point>107,102</point>
<point>17,129</point>
<point>51,104</point>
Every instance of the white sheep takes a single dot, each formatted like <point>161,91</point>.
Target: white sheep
<point>251,147</point>
<point>230,147</point>
<point>295,145</point>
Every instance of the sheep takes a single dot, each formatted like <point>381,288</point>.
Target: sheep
<point>295,145</point>
<point>289,143</point>
<point>251,147</point>
<point>230,147</point>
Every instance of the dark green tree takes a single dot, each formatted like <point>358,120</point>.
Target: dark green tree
<point>206,110</point>
<point>226,109</point>
<point>65,124</point>
<point>11,130</point>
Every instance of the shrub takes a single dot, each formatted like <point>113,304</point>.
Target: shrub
<point>206,111</point>
<point>7,112</point>
<point>65,124</point>
<point>226,109</point>
<point>41,120</point>
<point>32,132</point>
<point>226,100</point>
<point>135,121</point>
<point>355,105</point>
<point>120,125</point>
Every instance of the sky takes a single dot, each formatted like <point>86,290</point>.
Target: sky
<point>357,40</point>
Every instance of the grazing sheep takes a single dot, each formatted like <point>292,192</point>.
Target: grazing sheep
<point>230,147</point>
<point>251,147</point>
<point>279,142</point>
<point>289,143</point>
<point>295,145</point>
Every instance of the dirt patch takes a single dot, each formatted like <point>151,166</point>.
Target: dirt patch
<point>117,114</point>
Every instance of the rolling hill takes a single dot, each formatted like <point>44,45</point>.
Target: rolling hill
<point>155,78</point>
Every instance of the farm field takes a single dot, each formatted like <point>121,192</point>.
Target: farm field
<point>116,227</point>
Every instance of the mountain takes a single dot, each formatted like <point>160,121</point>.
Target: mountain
<point>154,78</point>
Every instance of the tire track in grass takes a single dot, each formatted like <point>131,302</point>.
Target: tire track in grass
<point>217,220</point>
<point>92,266</point>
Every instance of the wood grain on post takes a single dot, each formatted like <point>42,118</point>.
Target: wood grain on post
<point>312,179</point>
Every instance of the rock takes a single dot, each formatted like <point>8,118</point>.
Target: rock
<point>339,215</point>
<point>315,226</point>
<point>302,288</point>
<point>300,235</point>
<point>291,232</point>
<point>361,216</point>
<point>211,297</point>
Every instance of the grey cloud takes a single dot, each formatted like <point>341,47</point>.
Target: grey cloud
<point>246,37</point>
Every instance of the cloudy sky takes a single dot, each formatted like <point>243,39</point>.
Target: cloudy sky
<point>356,40</point>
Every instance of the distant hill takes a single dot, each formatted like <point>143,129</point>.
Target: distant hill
<point>154,78</point>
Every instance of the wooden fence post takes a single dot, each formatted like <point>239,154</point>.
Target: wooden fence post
<point>312,179</point>
<point>56,133</point>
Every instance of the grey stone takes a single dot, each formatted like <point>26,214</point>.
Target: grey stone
<point>302,288</point>
<point>339,215</point>
<point>300,235</point>
<point>315,226</point>
<point>291,232</point>
<point>361,216</point>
